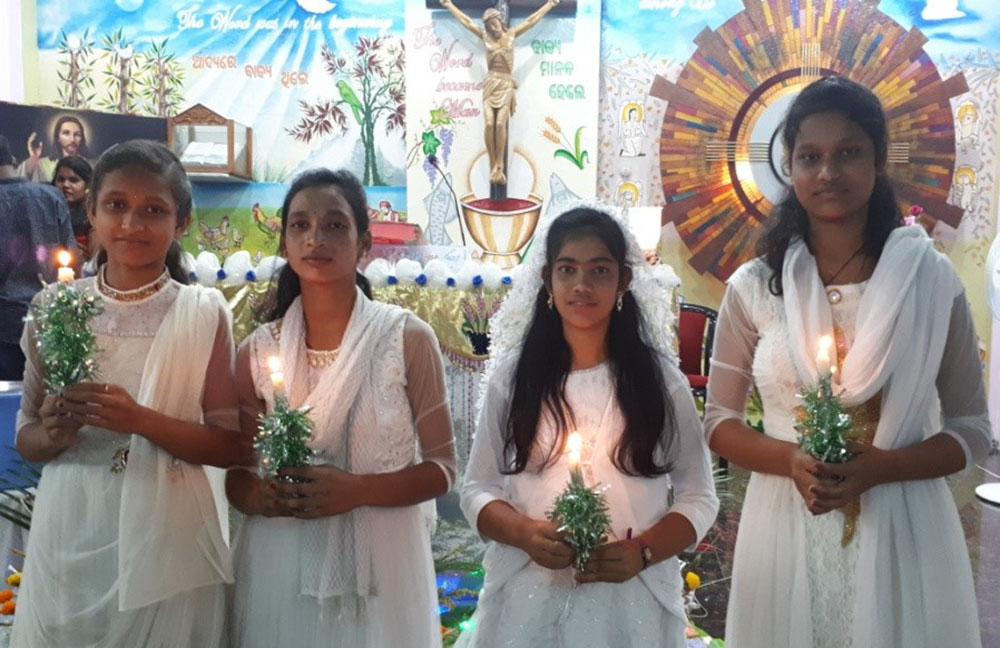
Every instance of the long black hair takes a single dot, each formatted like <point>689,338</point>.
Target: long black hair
<point>789,219</point>
<point>156,159</point>
<point>544,365</point>
<point>347,183</point>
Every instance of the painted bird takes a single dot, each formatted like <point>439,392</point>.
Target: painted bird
<point>347,94</point>
<point>271,226</point>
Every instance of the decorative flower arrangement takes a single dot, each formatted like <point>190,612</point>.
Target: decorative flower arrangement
<point>477,314</point>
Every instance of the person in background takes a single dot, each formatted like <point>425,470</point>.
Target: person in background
<point>72,178</point>
<point>34,225</point>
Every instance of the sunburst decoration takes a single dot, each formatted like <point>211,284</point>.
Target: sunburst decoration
<point>709,145</point>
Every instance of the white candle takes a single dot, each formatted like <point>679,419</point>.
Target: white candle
<point>573,446</point>
<point>277,378</point>
<point>823,356</point>
<point>65,274</point>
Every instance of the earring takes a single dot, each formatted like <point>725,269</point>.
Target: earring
<point>550,302</point>
<point>619,305</point>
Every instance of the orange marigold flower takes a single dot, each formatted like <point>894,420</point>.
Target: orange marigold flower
<point>8,608</point>
<point>6,595</point>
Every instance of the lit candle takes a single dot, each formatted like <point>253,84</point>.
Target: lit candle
<point>574,443</point>
<point>277,378</point>
<point>823,356</point>
<point>65,272</point>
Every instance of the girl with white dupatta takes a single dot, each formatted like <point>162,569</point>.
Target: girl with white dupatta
<point>869,552</point>
<point>129,536</point>
<point>582,345</point>
<point>343,559</point>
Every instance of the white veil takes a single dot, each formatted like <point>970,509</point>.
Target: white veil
<point>652,287</point>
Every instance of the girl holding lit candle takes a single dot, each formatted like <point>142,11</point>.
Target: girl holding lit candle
<point>836,263</point>
<point>583,379</point>
<point>128,543</point>
<point>340,556</point>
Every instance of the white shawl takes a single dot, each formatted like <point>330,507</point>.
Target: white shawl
<point>173,522</point>
<point>336,551</point>
<point>910,537</point>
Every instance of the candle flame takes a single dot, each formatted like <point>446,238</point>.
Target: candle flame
<point>825,342</point>
<point>574,443</point>
<point>64,258</point>
<point>274,364</point>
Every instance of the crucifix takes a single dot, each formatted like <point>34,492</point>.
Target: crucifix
<point>499,88</point>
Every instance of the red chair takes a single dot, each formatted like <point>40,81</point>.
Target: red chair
<point>695,336</point>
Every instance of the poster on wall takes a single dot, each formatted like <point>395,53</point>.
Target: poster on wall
<point>689,122</point>
<point>40,136</point>
<point>548,100</point>
<point>320,83</point>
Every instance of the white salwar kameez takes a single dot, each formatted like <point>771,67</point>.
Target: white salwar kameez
<point>905,580</point>
<point>77,588</point>
<point>524,604</point>
<point>289,572</point>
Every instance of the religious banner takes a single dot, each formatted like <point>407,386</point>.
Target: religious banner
<point>524,83</point>
<point>689,122</point>
<point>320,83</point>
<point>40,136</point>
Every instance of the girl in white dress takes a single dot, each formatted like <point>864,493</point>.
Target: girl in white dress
<point>574,353</point>
<point>343,559</point>
<point>128,543</point>
<point>870,552</point>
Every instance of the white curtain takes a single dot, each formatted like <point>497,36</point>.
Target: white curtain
<point>11,52</point>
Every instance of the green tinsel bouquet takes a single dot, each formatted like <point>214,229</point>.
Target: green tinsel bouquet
<point>583,511</point>
<point>64,340</point>
<point>281,439</point>
<point>823,425</point>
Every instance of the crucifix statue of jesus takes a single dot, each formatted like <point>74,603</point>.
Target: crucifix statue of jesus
<point>499,89</point>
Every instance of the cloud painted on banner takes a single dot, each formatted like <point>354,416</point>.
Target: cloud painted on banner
<point>660,27</point>
<point>666,28</point>
<point>208,28</point>
<point>979,27</point>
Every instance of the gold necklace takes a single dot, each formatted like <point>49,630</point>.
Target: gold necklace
<point>316,359</point>
<point>131,295</point>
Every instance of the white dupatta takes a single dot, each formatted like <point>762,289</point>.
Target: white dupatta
<point>173,520</point>
<point>911,542</point>
<point>335,552</point>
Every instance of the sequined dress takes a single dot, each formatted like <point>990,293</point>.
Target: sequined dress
<point>524,604</point>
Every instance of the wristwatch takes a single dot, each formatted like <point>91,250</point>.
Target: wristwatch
<point>645,551</point>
